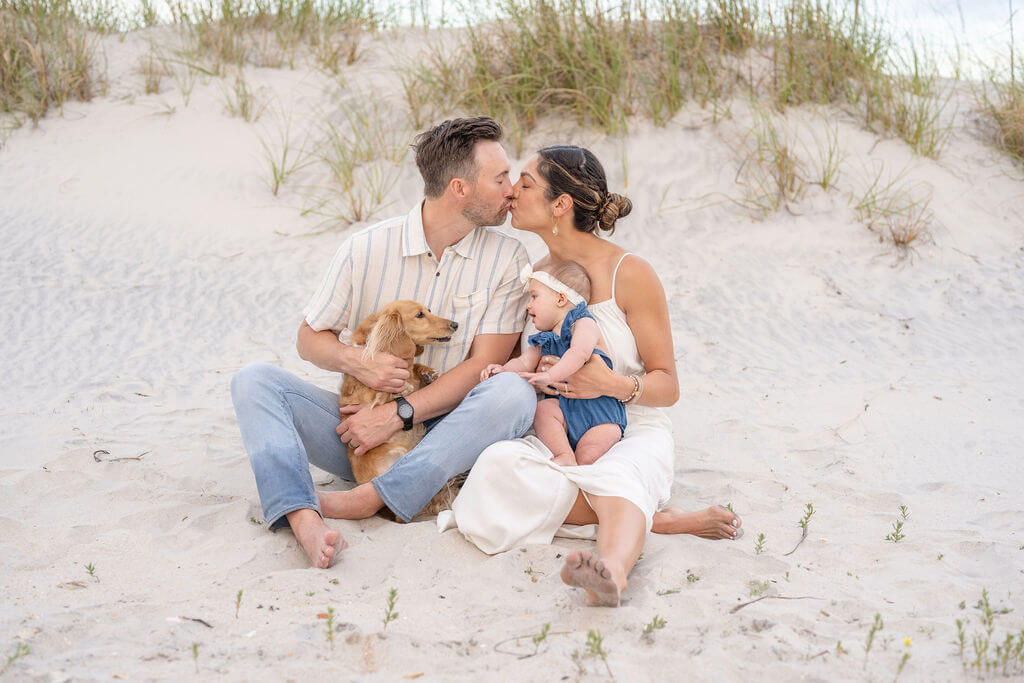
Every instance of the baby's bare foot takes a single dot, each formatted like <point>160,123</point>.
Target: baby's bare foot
<point>584,570</point>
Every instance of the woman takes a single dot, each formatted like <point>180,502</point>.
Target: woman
<point>515,494</point>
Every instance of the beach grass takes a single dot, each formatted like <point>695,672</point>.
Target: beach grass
<point>46,57</point>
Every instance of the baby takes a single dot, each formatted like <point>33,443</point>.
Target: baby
<point>577,431</point>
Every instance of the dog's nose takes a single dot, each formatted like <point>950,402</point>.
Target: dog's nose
<point>454,325</point>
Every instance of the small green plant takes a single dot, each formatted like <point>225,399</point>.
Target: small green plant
<point>904,512</point>
<point>389,613</point>
<point>840,650</point>
<point>542,636</point>
<point>903,660</point>
<point>961,641</point>
<point>808,513</point>
<point>691,577</point>
<point>875,628</point>
<point>238,602</point>
<point>758,587</point>
<point>897,534</point>
<point>330,626</point>
<point>656,623</point>
<point>595,647</point>
<point>195,655</point>
<point>310,594</point>
<point>91,570</point>
<point>729,507</point>
<point>253,520</point>
<point>20,650</point>
<point>669,591</point>
<point>759,547</point>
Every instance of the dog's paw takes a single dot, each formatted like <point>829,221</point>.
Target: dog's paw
<point>429,377</point>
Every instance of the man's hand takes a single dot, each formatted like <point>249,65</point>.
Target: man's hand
<point>490,370</point>
<point>382,372</point>
<point>366,427</point>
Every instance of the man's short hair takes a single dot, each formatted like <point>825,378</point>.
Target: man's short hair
<point>448,150</point>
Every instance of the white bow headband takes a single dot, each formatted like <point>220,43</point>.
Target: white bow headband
<point>544,278</point>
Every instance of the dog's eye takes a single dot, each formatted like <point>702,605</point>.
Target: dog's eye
<point>420,314</point>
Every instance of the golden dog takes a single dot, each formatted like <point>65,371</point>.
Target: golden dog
<point>401,328</point>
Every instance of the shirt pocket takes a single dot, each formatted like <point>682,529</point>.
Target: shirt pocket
<point>468,311</point>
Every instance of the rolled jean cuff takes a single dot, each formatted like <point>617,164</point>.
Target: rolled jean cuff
<point>390,503</point>
<point>279,520</point>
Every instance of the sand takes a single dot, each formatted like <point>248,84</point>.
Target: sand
<point>145,260</point>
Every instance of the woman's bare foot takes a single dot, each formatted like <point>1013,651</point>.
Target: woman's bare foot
<point>566,459</point>
<point>584,570</point>
<point>320,542</point>
<point>359,503</point>
<point>715,522</point>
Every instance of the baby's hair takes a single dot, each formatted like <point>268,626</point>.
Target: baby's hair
<point>570,273</point>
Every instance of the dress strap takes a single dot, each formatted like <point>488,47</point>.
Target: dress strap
<point>616,272</point>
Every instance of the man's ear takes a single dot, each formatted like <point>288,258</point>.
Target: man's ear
<point>459,187</point>
<point>363,331</point>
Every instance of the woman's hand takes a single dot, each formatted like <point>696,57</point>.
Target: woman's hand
<point>592,380</point>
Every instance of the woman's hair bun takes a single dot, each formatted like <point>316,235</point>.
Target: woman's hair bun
<point>613,207</point>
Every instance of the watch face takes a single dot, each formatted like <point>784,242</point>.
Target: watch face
<point>404,410</point>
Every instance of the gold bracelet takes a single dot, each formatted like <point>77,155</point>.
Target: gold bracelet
<point>640,391</point>
<point>637,388</point>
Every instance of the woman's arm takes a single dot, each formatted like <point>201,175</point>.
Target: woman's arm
<point>642,297</point>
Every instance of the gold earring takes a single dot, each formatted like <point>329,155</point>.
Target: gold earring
<point>554,230</point>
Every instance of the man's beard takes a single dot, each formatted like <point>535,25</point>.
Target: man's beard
<point>480,214</point>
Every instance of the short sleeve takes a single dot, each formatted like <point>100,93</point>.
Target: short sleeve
<point>506,309</point>
<point>329,307</point>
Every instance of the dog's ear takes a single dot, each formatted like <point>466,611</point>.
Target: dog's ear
<point>363,331</point>
<point>386,334</point>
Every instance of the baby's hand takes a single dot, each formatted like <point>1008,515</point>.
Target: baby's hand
<point>492,369</point>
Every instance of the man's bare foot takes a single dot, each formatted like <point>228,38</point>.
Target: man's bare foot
<point>584,570</point>
<point>320,542</point>
<point>358,503</point>
<point>715,522</point>
<point>566,459</point>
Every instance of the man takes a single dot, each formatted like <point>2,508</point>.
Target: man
<point>440,255</point>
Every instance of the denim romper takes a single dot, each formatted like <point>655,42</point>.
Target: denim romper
<point>580,413</point>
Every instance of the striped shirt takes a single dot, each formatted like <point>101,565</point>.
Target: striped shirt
<point>476,283</point>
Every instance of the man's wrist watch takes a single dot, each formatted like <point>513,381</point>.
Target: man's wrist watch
<point>405,413</point>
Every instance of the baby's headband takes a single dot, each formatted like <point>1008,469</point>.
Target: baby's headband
<point>544,278</point>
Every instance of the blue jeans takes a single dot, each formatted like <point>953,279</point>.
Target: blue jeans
<point>287,423</point>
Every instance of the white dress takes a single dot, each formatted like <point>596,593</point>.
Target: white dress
<point>515,495</point>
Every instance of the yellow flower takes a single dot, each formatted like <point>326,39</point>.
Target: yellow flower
<point>906,641</point>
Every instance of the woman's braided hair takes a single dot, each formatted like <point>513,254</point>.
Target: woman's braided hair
<point>575,171</point>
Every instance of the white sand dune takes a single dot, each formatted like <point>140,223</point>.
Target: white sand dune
<point>145,260</point>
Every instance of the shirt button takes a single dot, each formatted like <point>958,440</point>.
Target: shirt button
<point>430,255</point>
<point>438,273</point>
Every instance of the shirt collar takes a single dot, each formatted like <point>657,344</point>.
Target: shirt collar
<point>414,241</point>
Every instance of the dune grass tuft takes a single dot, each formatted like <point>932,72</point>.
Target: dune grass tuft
<point>46,57</point>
